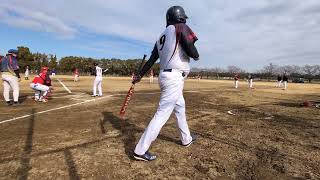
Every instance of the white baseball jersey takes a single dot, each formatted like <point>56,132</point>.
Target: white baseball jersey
<point>98,71</point>
<point>171,54</point>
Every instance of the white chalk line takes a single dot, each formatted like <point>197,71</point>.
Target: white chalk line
<point>65,87</point>
<point>71,105</point>
<point>54,109</point>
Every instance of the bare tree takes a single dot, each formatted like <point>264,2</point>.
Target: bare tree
<point>234,69</point>
<point>310,71</point>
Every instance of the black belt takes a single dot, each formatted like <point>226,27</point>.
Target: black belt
<point>170,70</point>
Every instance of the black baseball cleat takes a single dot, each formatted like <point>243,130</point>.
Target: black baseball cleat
<point>146,157</point>
<point>194,138</point>
<point>8,103</point>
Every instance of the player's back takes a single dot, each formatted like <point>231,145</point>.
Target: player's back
<point>170,52</point>
<point>98,71</point>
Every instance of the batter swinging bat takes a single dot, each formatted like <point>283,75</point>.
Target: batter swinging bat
<point>129,94</point>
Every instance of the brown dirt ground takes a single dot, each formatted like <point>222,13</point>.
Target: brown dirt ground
<point>269,136</point>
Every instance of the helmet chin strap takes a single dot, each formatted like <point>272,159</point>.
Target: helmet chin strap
<point>176,22</point>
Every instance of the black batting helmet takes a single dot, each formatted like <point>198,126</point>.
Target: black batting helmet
<point>176,14</point>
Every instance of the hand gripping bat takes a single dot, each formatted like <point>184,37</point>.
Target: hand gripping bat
<point>129,94</point>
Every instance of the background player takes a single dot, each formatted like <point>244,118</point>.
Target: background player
<point>41,84</point>
<point>279,78</point>
<point>97,83</point>
<point>174,47</point>
<point>76,74</point>
<point>151,76</point>
<point>285,81</point>
<point>53,72</point>
<point>26,73</point>
<point>250,81</point>
<point>236,80</point>
<point>10,76</point>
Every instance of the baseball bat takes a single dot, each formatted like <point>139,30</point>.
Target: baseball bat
<point>129,94</point>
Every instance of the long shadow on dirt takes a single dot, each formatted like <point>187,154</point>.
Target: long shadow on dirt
<point>23,170</point>
<point>72,168</point>
<point>128,132</point>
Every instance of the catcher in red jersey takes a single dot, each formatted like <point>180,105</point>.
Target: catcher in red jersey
<point>174,47</point>
<point>42,85</point>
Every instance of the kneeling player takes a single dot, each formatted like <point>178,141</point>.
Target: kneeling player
<point>41,84</point>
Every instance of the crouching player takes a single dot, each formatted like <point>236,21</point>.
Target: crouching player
<point>42,85</point>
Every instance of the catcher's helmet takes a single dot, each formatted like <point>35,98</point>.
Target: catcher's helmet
<point>45,68</point>
<point>176,14</point>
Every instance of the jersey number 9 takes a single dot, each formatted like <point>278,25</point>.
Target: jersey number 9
<point>162,41</point>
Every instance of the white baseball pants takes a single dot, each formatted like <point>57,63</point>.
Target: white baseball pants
<point>285,84</point>
<point>76,78</point>
<point>41,90</point>
<point>250,81</point>
<point>171,85</point>
<point>151,79</point>
<point>236,82</point>
<point>97,83</point>
<point>10,82</point>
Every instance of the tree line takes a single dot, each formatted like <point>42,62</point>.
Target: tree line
<point>66,65</point>
<point>268,72</point>
<point>118,67</point>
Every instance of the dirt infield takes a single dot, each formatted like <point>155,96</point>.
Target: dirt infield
<point>265,135</point>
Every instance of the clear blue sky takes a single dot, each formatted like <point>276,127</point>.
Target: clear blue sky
<point>248,34</point>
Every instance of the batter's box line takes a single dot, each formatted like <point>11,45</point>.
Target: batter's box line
<point>58,108</point>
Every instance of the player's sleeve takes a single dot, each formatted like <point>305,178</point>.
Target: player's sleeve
<point>187,40</point>
<point>153,58</point>
<point>15,67</point>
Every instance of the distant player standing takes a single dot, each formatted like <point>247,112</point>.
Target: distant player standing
<point>10,76</point>
<point>151,76</point>
<point>174,48</point>
<point>42,85</point>
<point>279,78</point>
<point>250,81</point>
<point>76,74</point>
<point>26,73</point>
<point>236,80</point>
<point>97,71</point>
<point>53,72</point>
<point>285,81</point>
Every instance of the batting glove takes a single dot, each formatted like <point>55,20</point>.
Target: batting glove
<point>136,79</point>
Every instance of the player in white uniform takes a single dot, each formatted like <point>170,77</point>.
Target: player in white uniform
<point>250,81</point>
<point>151,77</point>
<point>26,73</point>
<point>97,71</point>
<point>10,76</point>
<point>174,48</point>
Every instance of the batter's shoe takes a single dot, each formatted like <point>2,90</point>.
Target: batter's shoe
<point>15,104</point>
<point>146,157</point>
<point>8,103</point>
<point>194,138</point>
<point>94,95</point>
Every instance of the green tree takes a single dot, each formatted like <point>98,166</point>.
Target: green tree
<point>53,63</point>
<point>24,57</point>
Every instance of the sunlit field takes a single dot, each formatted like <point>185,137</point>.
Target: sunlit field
<point>244,133</point>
